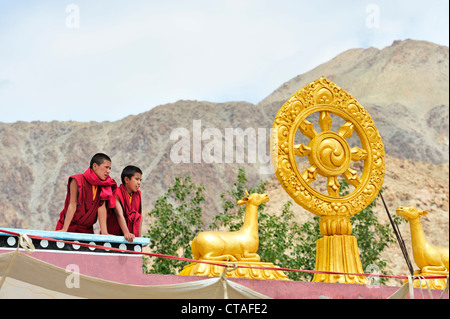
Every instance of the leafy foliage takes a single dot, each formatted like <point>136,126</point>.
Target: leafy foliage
<point>232,216</point>
<point>176,221</point>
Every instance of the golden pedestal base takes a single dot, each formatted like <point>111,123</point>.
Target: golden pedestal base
<point>438,284</point>
<point>202,269</point>
<point>338,253</point>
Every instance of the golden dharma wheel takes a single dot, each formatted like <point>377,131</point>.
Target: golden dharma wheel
<point>327,152</point>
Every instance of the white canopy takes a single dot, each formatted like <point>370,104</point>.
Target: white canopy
<point>28,277</point>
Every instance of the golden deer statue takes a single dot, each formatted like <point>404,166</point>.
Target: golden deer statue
<point>431,260</point>
<point>233,249</point>
<point>240,245</point>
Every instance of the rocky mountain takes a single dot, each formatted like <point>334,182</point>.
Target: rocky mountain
<point>405,88</point>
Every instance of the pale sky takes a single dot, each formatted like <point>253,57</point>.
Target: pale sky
<point>95,60</point>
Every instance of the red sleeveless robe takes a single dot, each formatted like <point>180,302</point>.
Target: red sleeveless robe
<point>87,207</point>
<point>132,212</point>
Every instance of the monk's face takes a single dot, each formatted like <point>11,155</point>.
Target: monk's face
<point>102,171</point>
<point>132,184</point>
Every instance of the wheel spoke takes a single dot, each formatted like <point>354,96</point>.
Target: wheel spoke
<point>346,130</point>
<point>309,174</point>
<point>333,186</point>
<point>307,129</point>
<point>302,150</point>
<point>325,121</point>
<point>351,177</point>
<point>358,154</point>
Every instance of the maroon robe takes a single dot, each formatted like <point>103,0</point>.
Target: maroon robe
<point>87,207</point>
<point>131,211</point>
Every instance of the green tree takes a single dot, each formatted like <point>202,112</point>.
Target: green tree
<point>232,217</point>
<point>176,219</point>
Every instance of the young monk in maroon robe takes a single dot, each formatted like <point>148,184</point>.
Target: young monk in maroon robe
<point>88,196</point>
<point>125,218</point>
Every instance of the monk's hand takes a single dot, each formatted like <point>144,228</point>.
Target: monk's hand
<point>129,237</point>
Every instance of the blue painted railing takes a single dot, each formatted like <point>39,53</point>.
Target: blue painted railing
<point>95,239</point>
